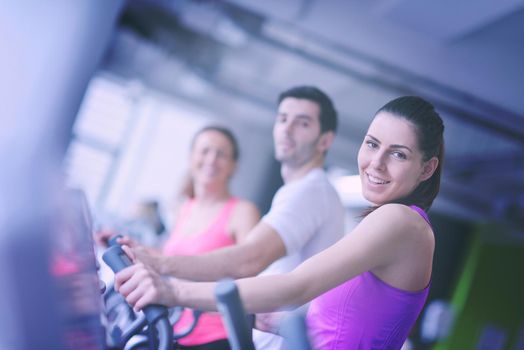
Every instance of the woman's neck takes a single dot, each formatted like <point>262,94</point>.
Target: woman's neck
<point>208,194</point>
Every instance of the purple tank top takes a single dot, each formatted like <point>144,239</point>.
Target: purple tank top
<point>364,313</point>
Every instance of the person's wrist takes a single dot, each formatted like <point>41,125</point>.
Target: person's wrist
<point>174,291</point>
<point>156,264</point>
<point>160,264</point>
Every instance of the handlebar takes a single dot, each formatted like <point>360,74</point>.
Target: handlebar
<point>294,330</point>
<point>234,316</point>
<point>156,315</point>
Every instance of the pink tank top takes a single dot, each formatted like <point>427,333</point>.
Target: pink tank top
<point>209,327</point>
<point>364,313</point>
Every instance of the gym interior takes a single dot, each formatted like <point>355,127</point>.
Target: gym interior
<point>101,99</point>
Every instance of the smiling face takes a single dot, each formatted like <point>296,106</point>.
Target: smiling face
<point>297,133</point>
<point>212,159</point>
<point>390,162</point>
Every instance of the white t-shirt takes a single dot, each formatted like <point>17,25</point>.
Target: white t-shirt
<point>309,217</point>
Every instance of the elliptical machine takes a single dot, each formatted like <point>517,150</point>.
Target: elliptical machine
<point>151,329</point>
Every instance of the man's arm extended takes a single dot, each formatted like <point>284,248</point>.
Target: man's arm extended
<point>261,247</point>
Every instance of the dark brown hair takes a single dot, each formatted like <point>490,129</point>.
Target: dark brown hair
<point>328,114</point>
<point>429,129</point>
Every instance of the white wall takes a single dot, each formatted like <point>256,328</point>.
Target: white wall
<point>152,155</point>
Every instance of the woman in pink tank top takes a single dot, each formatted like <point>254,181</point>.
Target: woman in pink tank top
<point>209,218</point>
<point>209,332</point>
<point>369,288</point>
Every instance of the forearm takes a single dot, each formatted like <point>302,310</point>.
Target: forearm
<point>227,262</point>
<point>310,279</point>
<point>152,251</point>
<point>245,259</point>
<point>272,292</point>
<point>196,295</point>
<point>258,294</point>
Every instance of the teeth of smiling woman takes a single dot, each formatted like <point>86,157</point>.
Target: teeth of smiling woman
<point>376,180</point>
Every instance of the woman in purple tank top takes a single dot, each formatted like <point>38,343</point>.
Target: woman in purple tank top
<point>369,288</point>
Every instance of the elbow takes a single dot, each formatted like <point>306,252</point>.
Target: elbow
<point>250,258</point>
<point>248,268</point>
<point>250,264</point>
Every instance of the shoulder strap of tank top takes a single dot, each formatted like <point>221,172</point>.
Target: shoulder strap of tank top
<point>226,212</point>
<point>183,214</point>
<point>421,212</point>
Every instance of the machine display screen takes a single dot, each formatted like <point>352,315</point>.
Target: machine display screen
<point>73,267</point>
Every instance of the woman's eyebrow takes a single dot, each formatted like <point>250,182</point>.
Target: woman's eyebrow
<point>373,137</point>
<point>392,146</point>
<point>403,147</point>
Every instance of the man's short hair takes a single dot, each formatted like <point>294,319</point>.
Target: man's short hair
<point>328,114</point>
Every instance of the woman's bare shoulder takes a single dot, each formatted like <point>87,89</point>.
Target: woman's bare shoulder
<point>244,217</point>
<point>399,219</point>
<point>246,207</point>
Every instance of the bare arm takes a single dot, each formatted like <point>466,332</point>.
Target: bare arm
<point>254,253</point>
<point>385,238</point>
<point>393,239</point>
<point>141,286</point>
<point>243,219</point>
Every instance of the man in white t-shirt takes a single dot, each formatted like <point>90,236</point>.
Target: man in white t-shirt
<point>306,215</point>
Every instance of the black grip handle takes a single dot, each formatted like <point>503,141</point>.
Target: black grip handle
<point>232,310</point>
<point>113,240</point>
<point>156,315</point>
<point>117,260</point>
